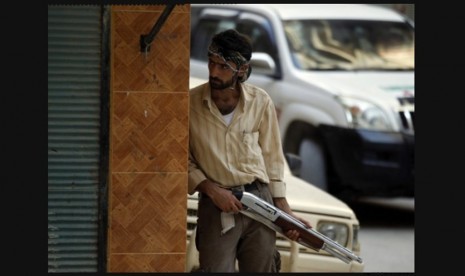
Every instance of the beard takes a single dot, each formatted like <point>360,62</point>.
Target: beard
<point>216,83</point>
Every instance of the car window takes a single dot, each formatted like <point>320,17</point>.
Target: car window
<point>201,37</point>
<point>258,28</point>
<point>350,44</point>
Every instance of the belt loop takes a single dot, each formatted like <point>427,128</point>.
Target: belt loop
<point>258,184</point>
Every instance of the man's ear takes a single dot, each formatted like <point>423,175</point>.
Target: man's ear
<point>243,70</point>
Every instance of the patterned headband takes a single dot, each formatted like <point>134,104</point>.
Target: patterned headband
<point>233,56</point>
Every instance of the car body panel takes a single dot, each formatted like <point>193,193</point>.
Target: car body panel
<point>307,98</point>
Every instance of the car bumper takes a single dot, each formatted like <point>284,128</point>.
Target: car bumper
<point>317,263</point>
<point>372,162</point>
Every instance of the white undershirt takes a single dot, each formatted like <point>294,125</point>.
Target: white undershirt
<point>228,117</point>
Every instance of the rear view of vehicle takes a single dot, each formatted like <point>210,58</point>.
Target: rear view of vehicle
<point>342,80</point>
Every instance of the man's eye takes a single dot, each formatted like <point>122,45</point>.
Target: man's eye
<point>224,67</point>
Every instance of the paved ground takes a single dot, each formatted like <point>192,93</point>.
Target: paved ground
<point>387,234</point>
<point>388,250</point>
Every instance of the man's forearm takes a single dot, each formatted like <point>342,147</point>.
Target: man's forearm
<point>281,203</point>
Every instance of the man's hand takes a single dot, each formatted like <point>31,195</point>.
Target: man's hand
<point>222,198</point>
<point>281,203</point>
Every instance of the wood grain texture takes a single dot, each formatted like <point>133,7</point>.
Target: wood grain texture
<point>147,263</point>
<point>148,213</point>
<point>150,132</point>
<point>148,140</point>
<point>164,66</point>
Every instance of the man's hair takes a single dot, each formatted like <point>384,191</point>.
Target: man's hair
<point>232,41</point>
<point>233,46</point>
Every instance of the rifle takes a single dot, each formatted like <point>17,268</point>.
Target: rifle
<point>281,222</point>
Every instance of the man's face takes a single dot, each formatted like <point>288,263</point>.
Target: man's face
<point>222,74</point>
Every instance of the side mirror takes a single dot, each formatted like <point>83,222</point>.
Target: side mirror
<point>294,162</point>
<point>262,63</point>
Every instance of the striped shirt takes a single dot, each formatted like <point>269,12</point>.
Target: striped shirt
<point>248,148</point>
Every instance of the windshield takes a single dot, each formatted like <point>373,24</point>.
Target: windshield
<point>350,44</point>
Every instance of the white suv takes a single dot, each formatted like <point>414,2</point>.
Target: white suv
<point>327,214</point>
<point>342,80</point>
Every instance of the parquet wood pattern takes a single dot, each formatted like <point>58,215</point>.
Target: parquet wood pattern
<point>163,66</point>
<point>148,263</point>
<point>150,132</point>
<point>148,213</point>
<point>148,141</point>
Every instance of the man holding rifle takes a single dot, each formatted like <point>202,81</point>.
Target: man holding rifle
<point>234,145</point>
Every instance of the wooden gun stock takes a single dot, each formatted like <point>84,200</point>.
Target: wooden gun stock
<point>304,236</point>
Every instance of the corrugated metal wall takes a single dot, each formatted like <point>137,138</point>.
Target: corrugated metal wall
<point>74,57</point>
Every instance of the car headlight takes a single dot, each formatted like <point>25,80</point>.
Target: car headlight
<point>363,114</point>
<point>355,241</point>
<point>338,232</point>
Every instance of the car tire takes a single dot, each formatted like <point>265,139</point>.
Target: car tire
<point>313,166</point>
